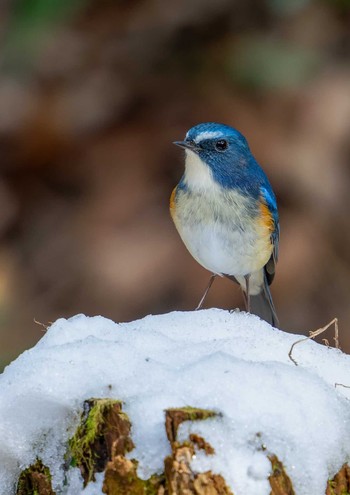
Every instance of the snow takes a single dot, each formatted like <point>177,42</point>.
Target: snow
<point>233,363</point>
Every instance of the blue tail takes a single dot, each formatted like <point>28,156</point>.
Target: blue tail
<point>262,305</point>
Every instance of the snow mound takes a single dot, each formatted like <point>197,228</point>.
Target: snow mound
<point>233,363</point>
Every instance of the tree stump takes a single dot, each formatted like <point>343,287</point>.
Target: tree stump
<point>103,439</point>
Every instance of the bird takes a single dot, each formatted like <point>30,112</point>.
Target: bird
<point>226,213</point>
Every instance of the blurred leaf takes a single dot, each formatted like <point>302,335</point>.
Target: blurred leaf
<point>38,12</point>
<point>290,7</point>
<point>30,22</point>
<point>341,5</point>
<point>287,7</point>
<point>262,63</point>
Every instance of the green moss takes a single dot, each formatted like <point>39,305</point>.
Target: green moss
<point>85,435</point>
<point>153,483</point>
<point>340,484</point>
<point>121,479</point>
<point>35,480</point>
<point>331,486</point>
<point>332,489</point>
<point>93,426</point>
<point>196,413</point>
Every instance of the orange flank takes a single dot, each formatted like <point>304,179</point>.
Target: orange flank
<point>172,202</point>
<point>266,216</point>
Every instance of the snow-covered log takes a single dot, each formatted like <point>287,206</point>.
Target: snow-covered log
<point>197,403</point>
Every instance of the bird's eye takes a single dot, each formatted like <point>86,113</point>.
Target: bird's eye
<point>221,145</point>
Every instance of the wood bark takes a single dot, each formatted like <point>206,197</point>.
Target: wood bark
<point>35,480</point>
<point>103,439</point>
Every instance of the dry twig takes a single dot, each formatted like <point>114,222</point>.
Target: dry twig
<point>341,385</point>
<point>41,324</point>
<point>315,334</point>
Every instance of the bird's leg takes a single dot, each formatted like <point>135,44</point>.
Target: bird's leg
<point>244,297</point>
<point>206,292</point>
<point>247,292</point>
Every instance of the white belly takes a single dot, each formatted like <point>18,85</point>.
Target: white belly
<point>222,233</point>
<point>222,251</point>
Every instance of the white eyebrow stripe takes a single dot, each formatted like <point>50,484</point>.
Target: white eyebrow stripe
<point>207,135</point>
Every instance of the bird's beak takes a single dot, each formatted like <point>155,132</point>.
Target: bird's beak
<point>187,145</point>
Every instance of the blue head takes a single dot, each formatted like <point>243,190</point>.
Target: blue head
<point>222,153</point>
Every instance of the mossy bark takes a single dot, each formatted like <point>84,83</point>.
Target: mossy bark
<point>279,480</point>
<point>175,416</point>
<point>103,439</point>
<point>104,432</point>
<point>35,480</point>
<point>340,484</point>
<point>180,478</point>
<point>121,479</point>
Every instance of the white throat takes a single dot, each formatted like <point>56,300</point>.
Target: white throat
<point>197,173</point>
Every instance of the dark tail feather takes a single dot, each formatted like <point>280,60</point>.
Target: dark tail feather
<point>262,305</point>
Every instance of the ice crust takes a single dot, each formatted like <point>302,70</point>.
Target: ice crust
<point>233,363</point>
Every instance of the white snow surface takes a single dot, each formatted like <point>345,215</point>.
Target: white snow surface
<point>233,363</point>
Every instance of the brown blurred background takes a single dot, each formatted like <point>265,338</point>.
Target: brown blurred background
<point>93,92</point>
